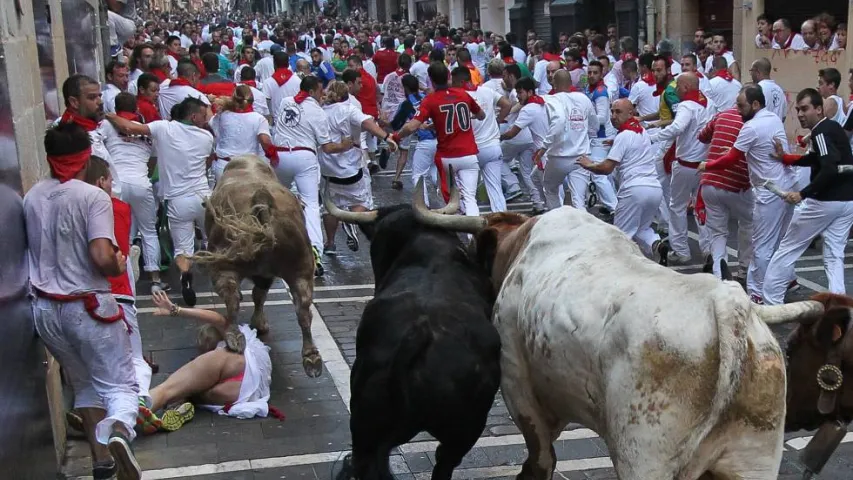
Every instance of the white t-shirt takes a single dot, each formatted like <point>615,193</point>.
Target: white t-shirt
<point>419,71</point>
<point>261,102</point>
<point>370,68</point>
<point>276,93</point>
<point>345,120</point>
<point>182,152</point>
<point>486,132</point>
<point>533,117</point>
<point>709,62</point>
<point>237,133</point>
<point>724,93</point>
<point>171,95</point>
<point>130,155</point>
<point>774,98</point>
<point>393,94</point>
<point>108,96</point>
<point>301,125</point>
<point>757,139</point>
<point>796,44</point>
<point>690,119</point>
<point>478,54</point>
<point>540,75</point>
<point>642,95</point>
<point>264,70</point>
<point>61,219</point>
<point>633,151</point>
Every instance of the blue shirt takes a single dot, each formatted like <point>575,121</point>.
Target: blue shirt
<point>598,92</point>
<point>324,72</point>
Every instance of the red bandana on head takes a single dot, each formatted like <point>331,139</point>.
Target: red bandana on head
<point>282,75</point>
<point>301,96</point>
<point>724,74</point>
<point>695,96</point>
<point>536,99</point>
<point>66,167</point>
<point>632,125</point>
<point>72,117</point>
<point>180,82</point>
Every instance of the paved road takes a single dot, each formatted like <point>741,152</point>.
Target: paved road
<point>315,434</point>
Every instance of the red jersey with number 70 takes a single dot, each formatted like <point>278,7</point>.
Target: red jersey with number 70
<point>451,111</point>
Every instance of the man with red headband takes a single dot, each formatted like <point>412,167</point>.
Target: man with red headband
<point>72,252</point>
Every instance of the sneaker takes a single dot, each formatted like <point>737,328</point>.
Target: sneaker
<point>104,470</point>
<point>793,286</point>
<point>397,185</point>
<point>126,466</point>
<point>372,168</point>
<point>318,265</point>
<point>352,236</point>
<point>673,258</point>
<point>187,289</point>
<point>661,249</point>
<point>146,420</point>
<point>176,418</point>
<point>330,250</point>
<point>756,299</point>
<point>135,252</point>
<point>510,196</point>
<point>160,286</point>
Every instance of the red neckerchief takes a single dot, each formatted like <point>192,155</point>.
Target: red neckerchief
<point>649,78</point>
<point>249,108</point>
<point>301,96</point>
<point>282,75</point>
<point>243,61</point>
<point>551,57</point>
<point>470,65</point>
<point>200,66</point>
<point>724,74</point>
<point>424,58</point>
<point>72,117</point>
<point>160,74</point>
<point>553,91</point>
<point>180,81</point>
<point>409,52</point>
<point>400,72</point>
<point>132,116</point>
<point>659,89</point>
<point>576,68</point>
<point>632,125</point>
<point>592,87</point>
<point>695,96</point>
<point>509,61</point>
<point>148,110</point>
<point>173,54</point>
<point>250,83</point>
<point>626,56</point>
<point>535,99</point>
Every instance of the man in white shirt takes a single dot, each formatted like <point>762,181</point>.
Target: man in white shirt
<point>771,215</point>
<point>724,89</point>
<point>540,71</point>
<point>774,96</point>
<point>419,68</point>
<point>117,81</point>
<point>487,134</point>
<point>693,113</point>
<point>281,84</point>
<point>366,53</point>
<point>132,157</point>
<point>828,83</point>
<point>643,86</point>
<point>784,38</point>
<point>186,41</point>
<point>477,48</point>
<point>183,147</point>
<point>260,102</point>
<point>531,122</point>
<point>174,91</point>
<point>633,160</point>
<point>265,66</point>
<point>719,47</point>
<point>811,41</point>
<point>689,65</point>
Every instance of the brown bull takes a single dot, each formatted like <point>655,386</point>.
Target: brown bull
<point>256,229</point>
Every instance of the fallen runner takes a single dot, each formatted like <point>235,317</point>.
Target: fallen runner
<point>218,380</point>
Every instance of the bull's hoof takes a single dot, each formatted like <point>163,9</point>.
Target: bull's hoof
<point>234,340</point>
<point>313,364</point>
<point>259,323</point>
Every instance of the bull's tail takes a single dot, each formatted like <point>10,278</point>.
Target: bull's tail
<point>731,310</point>
<point>411,347</point>
<point>242,234</point>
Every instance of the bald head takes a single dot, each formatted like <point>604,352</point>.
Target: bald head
<point>621,111</point>
<point>688,81</point>
<point>760,69</point>
<point>623,103</point>
<point>562,81</point>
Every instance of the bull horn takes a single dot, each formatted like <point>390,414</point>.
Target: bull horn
<point>453,205</point>
<point>361,218</point>
<point>791,312</point>
<point>456,223</point>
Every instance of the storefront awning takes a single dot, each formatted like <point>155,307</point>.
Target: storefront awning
<point>519,10</point>
<point>560,8</point>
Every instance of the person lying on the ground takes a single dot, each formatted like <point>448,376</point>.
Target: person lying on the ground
<point>219,380</point>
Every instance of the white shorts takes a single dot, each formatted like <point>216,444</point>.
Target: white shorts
<point>185,213</point>
<point>358,194</point>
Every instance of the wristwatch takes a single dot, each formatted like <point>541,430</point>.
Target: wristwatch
<point>174,310</point>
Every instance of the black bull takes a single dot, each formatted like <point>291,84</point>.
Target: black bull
<point>427,354</point>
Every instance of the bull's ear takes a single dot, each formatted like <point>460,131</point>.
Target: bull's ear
<point>487,246</point>
<point>832,327</point>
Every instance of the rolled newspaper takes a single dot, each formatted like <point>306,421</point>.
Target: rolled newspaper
<point>769,185</point>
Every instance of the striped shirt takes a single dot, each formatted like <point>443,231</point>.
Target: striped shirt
<point>722,132</point>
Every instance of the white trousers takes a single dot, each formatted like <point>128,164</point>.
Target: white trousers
<point>834,220</point>
<point>684,184</point>
<point>96,357</point>
<point>770,219</point>
<point>579,181</point>
<point>423,164</point>
<point>721,206</point>
<point>185,213</point>
<point>302,167</point>
<point>466,171</point>
<point>143,208</point>
<point>490,160</point>
<point>556,170</point>
<point>664,178</point>
<point>140,366</point>
<point>636,207</point>
<point>218,167</point>
<point>509,182</point>
<point>524,154</point>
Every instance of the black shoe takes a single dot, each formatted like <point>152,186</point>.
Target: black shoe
<point>127,468</point>
<point>384,155</point>
<point>372,168</point>
<point>662,249</point>
<point>104,470</point>
<point>187,289</point>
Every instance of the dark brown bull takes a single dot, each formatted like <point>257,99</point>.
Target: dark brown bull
<point>256,229</point>
<point>819,349</point>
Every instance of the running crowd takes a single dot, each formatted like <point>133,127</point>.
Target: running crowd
<point>635,134</point>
